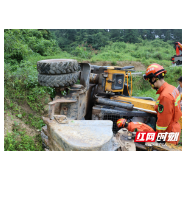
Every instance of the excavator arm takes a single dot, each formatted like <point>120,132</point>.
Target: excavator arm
<point>178,57</point>
<point>178,47</point>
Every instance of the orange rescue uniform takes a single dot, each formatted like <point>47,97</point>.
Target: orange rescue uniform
<point>139,126</point>
<point>168,110</point>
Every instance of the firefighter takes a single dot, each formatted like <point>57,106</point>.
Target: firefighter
<point>168,103</point>
<point>133,126</point>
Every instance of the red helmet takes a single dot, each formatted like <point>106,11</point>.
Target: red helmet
<point>154,70</point>
<point>121,123</point>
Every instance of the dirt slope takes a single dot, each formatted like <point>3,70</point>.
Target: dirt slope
<point>138,65</point>
<point>10,119</point>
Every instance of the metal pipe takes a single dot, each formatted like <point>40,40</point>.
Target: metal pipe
<point>122,113</point>
<point>114,103</point>
<point>146,110</point>
<point>144,98</point>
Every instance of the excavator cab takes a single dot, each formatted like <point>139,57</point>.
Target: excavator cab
<point>117,79</point>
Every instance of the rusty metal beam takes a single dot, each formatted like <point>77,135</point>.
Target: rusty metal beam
<point>52,106</point>
<point>94,78</point>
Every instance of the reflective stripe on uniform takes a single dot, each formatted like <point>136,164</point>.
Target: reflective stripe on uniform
<point>161,128</point>
<point>157,102</point>
<point>177,100</point>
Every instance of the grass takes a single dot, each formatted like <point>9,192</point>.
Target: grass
<point>146,52</point>
<point>18,140</point>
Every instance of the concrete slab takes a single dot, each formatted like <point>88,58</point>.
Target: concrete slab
<point>82,135</point>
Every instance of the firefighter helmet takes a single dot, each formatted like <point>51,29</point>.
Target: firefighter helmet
<point>122,123</point>
<point>154,70</point>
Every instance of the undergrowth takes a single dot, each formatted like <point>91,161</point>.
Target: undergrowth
<point>146,52</point>
<point>18,140</point>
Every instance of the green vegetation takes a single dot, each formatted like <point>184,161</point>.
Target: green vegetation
<point>18,140</point>
<point>68,39</point>
<point>145,52</point>
<point>23,48</point>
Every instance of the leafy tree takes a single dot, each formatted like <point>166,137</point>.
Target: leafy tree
<point>167,35</point>
<point>20,43</point>
<point>69,39</point>
<point>177,35</point>
<point>115,34</point>
<point>131,35</point>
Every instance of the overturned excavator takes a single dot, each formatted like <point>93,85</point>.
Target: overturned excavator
<point>84,118</point>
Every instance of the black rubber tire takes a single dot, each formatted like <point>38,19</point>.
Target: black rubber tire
<point>57,66</point>
<point>62,80</point>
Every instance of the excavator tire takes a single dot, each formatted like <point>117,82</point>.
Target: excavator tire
<point>57,66</point>
<point>62,80</point>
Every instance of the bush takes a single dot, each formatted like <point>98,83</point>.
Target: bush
<point>84,51</point>
<point>158,56</point>
<point>20,43</point>
<point>173,73</point>
<point>118,46</point>
<point>14,47</point>
<point>157,43</point>
<point>114,63</point>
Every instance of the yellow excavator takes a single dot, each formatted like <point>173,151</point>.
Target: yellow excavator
<point>114,100</point>
<point>102,93</point>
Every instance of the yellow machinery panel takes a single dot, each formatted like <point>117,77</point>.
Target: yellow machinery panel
<point>110,80</point>
<point>144,105</point>
<point>139,103</point>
